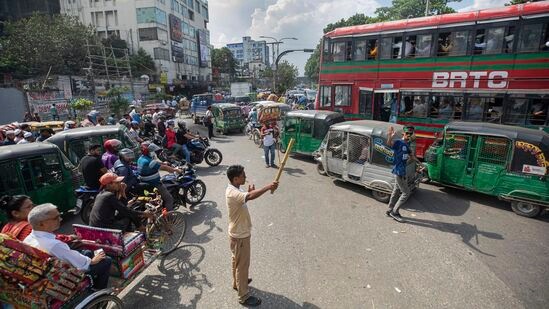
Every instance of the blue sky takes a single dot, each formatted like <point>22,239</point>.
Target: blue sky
<point>230,20</point>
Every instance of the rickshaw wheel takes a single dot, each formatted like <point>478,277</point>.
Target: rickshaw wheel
<point>320,169</point>
<point>105,301</point>
<point>167,232</point>
<point>381,196</point>
<point>525,209</point>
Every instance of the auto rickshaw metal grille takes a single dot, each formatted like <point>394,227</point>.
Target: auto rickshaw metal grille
<point>493,150</point>
<point>431,156</point>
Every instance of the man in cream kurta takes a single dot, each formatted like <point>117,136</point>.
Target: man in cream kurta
<point>240,228</point>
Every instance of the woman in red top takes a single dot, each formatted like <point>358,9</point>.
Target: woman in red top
<point>171,139</point>
<point>17,209</point>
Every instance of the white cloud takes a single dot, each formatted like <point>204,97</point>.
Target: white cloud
<point>303,19</point>
<point>483,4</point>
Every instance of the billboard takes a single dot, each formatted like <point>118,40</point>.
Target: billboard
<point>175,29</point>
<point>178,54</point>
<point>203,48</point>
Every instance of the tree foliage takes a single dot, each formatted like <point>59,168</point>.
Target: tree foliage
<point>118,103</point>
<point>286,76</point>
<point>142,63</point>
<point>224,61</point>
<point>512,2</point>
<point>32,45</point>
<point>399,9</point>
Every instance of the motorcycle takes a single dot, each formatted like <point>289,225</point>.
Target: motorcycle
<point>200,151</point>
<point>85,197</point>
<point>185,187</point>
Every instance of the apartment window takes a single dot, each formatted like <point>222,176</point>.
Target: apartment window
<point>161,53</point>
<point>110,18</point>
<point>205,12</point>
<point>191,15</point>
<point>92,14</point>
<point>99,19</point>
<point>190,3</point>
<point>148,34</point>
<point>197,7</point>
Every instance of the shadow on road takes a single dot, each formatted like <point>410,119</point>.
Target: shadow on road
<point>204,170</point>
<point>271,300</point>
<point>469,232</point>
<point>179,272</point>
<point>295,172</point>
<point>201,217</point>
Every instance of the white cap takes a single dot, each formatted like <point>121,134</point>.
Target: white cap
<point>27,135</point>
<point>17,131</point>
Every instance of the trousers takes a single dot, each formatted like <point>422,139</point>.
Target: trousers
<point>400,193</point>
<point>100,271</point>
<point>240,249</point>
<point>269,150</point>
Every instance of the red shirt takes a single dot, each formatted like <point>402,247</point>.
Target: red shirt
<point>170,138</point>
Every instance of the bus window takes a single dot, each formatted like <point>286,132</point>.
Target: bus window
<point>419,106</point>
<point>325,96</point>
<point>537,115</point>
<point>342,95</point>
<point>342,51</point>
<point>446,107</point>
<point>423,45</point>
<point>410,46</point>
<point>372,49</point>
<point>489,41</point>
<point>453,43</point>
<point>386,48</point>
<point>484,109</point>
<point>397,47</point>
<point>326,57</point>
<point>516,111</point>
<point>509,40</point>
<point>533,38</point>
<point>359,52</point>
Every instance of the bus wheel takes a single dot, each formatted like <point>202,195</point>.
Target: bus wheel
<point>525,209</point>
<point>381,196</point>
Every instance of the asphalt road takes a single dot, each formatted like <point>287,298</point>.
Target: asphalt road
<point>319,243</point>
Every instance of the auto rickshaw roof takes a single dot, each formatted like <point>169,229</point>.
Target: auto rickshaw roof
<point>315,114</point>
<point>226,106</point>
<point>511,132</point>
<point>21,150</point>
<point>368,127</point>
<point>87,131</point>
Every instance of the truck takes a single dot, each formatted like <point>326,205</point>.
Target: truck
<point>240,89</point>
<point>199,106</point>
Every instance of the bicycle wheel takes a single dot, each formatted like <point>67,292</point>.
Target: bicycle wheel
<point>196,192</point>
<point>105,302</point>
<point>167,232</point>
<point>257,137</point>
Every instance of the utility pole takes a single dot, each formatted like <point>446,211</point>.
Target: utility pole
<point>427,4</point>
<point>306,50</point>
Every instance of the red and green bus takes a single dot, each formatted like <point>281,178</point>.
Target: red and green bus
<point>489,65</point>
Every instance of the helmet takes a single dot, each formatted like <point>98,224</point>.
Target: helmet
<point>70,124</point>
<point>170,122</point>
<point>134,122</point>
<point>147,148</point>
<point>182,124</point>
<point>126,155</point>
<point>112,145</point>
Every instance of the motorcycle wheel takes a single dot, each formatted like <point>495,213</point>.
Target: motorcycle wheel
<point>195,193</point>
<point>256,137</point>
<point>86,211</point>
<point>213,157</point>
<point>163,155</point>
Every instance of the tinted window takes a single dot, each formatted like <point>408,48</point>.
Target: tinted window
<point>423,45</point>
<point>533,38</point>
<point>307,126</point>
<point>342,95</point>
<point>489,41</point>
<point>325,96</point>
<point>41,171</point>
<point>453,43</point>
<point>487,109</point>
<point>360,50</point>
<point>9,182</point>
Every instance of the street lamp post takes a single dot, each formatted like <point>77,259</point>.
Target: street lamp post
<point>306,50</point>
<point>276,42</point>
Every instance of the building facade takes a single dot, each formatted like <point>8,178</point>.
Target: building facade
<point>14,10</point>
<point>173,32</point>
<point>251,55</point>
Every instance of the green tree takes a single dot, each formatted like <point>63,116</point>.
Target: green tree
<point>118,103</point>
<point>32,45</point>
<point>142,63</point>
<point>402,9</point>
<point>223,60</point>
<point>512,2</point>
<point>286,76</point>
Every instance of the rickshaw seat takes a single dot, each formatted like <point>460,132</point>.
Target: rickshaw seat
<point>114,242</point>
<point>30,277</point>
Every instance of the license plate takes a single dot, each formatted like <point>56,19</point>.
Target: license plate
<point>79,203</point>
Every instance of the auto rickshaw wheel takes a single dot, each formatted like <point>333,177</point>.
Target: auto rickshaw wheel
<point>86,211</point>
<point>525,209</point>
<point>381,196</point>
<point>320,169</point>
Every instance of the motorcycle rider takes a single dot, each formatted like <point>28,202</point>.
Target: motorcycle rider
<point>170,139</point>
<point>148,167</point>
<point>110,156</point>
<point>112,119</point>
<point>69,124</point>
<point>91,119</point>
<point>148,127</point>
<point>134,132</point>
<point>183,136</point>
<point>92,167</point>
<point>123,167</point>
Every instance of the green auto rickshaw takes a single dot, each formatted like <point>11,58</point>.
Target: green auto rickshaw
<point>227,117</point>
<point>308,128</point>
<point>75,142</point>
<point>504,161</point>
<point>41,171</point>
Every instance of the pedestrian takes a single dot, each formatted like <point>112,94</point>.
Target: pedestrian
<point>401,191</point>
<point>208,121</point>
<point>269,134</point>
<point>27,138</point>
<point>27,117</point>
<point>36,118</point>
<point>53,112</point>
<point>10,138</point>
<point>45,133</point>
<point>240,227</point>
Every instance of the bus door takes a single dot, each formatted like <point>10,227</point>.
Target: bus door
<point>365,108</point>
<point>455,159</point>
<point>386,105</point>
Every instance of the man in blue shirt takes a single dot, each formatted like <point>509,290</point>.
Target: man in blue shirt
<point>149,167</point>
<point>401,191</point>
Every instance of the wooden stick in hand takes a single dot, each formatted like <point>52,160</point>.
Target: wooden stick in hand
<point>283,163</point>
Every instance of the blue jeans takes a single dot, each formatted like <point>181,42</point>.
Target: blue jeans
<point>186,153</point>
<point>271,150</point>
